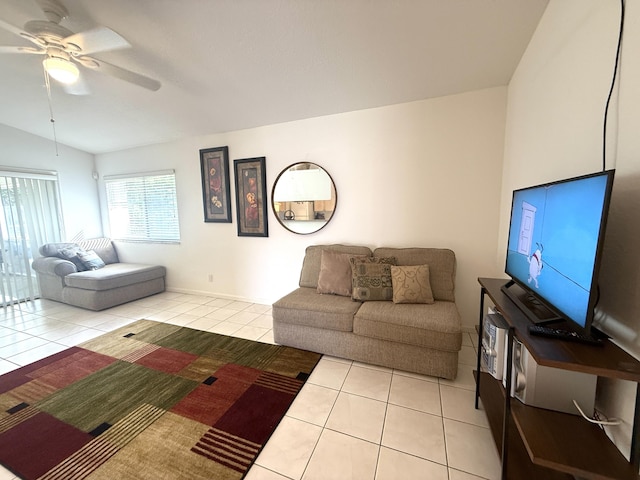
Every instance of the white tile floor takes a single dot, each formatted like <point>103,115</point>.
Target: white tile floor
<point>350,421</point>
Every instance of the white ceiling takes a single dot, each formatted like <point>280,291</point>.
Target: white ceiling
<point>227,65</point>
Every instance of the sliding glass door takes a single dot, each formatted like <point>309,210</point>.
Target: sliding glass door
<point>30,217</point>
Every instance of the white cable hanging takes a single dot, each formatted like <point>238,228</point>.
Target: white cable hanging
<point>612,421</point>
<point>51,118</point>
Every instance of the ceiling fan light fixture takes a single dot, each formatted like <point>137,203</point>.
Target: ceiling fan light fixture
<point>62,70</point>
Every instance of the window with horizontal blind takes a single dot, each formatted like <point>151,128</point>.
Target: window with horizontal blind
<point>143,207</point>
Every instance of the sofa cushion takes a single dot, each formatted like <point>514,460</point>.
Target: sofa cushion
<point>114,275</point>
<point>90,260</point>
<point>411,284</point>
<point>104,247</point>
<point>312,258</point>
<point>335,273</point>
<point>305,306</point>
<point>442,266</point>
<point>371,278</point>
<point>433,326</point>
<point>71,253</point>
<point>53,249</point>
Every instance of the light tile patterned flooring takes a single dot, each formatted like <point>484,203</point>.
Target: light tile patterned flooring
<point>350,421</point>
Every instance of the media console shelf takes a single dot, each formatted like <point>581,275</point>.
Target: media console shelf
<point>536,443</point>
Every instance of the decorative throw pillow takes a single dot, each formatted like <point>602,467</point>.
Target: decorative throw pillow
<point>335,273</point>
<point>371,278</point>
<point>411,284</point>
<point>71,254</point>
<point>90,260</point>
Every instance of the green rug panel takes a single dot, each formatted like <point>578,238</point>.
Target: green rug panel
<point>110,394</point>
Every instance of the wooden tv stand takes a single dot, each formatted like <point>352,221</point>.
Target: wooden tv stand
<point>536,443</point>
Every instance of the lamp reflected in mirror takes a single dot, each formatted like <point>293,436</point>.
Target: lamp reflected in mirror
<point>304,198</point>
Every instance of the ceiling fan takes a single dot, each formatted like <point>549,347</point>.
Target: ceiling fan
<point>63,49</point>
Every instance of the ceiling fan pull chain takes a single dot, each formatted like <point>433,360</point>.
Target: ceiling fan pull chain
<point>47,82</point>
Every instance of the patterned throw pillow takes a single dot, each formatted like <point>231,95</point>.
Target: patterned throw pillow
<point>371,278</point>
<point>411,284</point>
<point>335,273</point>
<point>90,260</point>
<point>71,254</point>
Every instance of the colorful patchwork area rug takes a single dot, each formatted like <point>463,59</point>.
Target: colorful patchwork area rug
<point>148,401</point>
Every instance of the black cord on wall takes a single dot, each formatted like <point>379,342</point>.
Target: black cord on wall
<point>613,82</point>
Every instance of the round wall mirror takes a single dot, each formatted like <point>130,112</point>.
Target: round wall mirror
<point>304,198</point>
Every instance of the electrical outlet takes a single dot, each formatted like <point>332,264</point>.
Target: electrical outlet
<point>211,277</point>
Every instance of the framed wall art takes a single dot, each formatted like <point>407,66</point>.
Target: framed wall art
<point>214,165</point>
<point>251,198</point>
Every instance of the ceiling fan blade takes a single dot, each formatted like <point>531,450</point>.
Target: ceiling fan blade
<point>21,33</point>
<point>79,87</point>
<point>99,39</point>
<point>22,50</point>
<point>121,73</point>
<point>10,28</point>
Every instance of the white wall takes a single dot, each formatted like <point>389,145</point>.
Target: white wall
<point>419,174</point>
<point>78,189</point>
<point>555,112</point>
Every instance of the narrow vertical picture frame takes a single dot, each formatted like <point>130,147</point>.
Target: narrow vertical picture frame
<point>214,166</point>
<point>251,197</point>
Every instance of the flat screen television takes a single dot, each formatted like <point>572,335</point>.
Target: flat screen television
<point>556,234</point>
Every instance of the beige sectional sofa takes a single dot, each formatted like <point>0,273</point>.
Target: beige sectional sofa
<point>107,284</point>
<point>413,336</point>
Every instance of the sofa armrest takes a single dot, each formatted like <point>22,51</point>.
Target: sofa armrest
<point>53,266</point>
